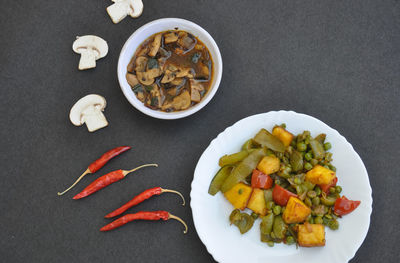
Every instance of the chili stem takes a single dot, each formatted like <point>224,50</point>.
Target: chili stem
<point>180,220</point>
<point>175,192</point>
<point>125,173</point>
<point>77,181</point>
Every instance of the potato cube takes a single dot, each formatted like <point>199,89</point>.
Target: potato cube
<point>283,135</point>
<point>320,175</point>
<point>269,165</point>
<point>311,235</point>
<point>239,195</point>
<point>296,211</point>
<point>257,202</point>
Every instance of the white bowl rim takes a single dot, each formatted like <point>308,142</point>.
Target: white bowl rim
<point>121,71</point>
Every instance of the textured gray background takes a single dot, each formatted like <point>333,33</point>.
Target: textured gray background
<point>336,60</point>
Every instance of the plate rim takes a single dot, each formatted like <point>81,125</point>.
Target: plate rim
<point>237,123</point>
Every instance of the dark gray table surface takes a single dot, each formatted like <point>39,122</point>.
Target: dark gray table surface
<point>338,61</point>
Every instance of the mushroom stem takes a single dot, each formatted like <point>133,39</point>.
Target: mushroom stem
<point>77,181</point>
<point>94,118</point>
<point>88,59</point>
<point>125,173</point>
<point>118,11</point>
<point>175,192</point>
<point>180,220</point>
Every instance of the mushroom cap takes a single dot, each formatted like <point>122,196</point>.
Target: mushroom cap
<point>94,42</point>
<point>136,7</point>
<point>91,100</point>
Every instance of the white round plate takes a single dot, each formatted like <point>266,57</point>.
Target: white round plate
<point>211,213</point>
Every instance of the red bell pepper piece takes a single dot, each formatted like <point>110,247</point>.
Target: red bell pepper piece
<point>261,180</point>
<point>325,187</point>
<point>281,195</point>
<point>344,206</point>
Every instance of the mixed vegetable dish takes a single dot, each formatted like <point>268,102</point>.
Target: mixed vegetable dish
<point>289,184</point>
<point>170,71</point>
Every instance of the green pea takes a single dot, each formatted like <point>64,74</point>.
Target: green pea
<point>317,190</point>
<point>308,166</point>
<point>270,205</point>
<point>311,194</point>
<point>316,200</point>
<point>297,180</point>
<point>311,220</point>
<point>283,209</point>
<point>308,202</point>
<point>338,189</point>
<point>314,162</point>
<point>332,190</point>
<point>327,146</point>
<point>308,185</point>
<point>277,209</point>
<point>318,220</point>
<point>290,240</point>
<point>308,156</point>
<point>333,224</point>
<point>270,243</point>
<point>333,168</point>
<point>283,125</point>
<point>301,146</point>
<point>328,216</point>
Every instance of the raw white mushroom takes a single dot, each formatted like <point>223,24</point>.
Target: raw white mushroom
<point>121,8</point>
<point>91,49</point>
<point>89,110</point>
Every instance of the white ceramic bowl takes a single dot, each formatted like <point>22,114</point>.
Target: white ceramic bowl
<point>211,213</point>
<point>146,31</point>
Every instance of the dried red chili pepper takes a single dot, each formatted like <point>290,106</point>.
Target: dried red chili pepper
<point>96,165</point>
<point>106,180</point>
<point>141,197</point>
<point>143,215</point>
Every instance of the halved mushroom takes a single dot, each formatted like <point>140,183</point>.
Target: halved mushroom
<point>91,49</point>
<point>121,8</point>
<point>144,78</point>
<point>184,72</point>
<point>132,79</point>
<point>203,73</point>
<point>182,101</point>
<point>89,110</point>
<point>155,45</point>
<point>141,63</point>
<point>168,76</point>
<point>195,89</point>
<point>143,51</point>
<point>177,81</point>
<point>154,73</point>
<point>170,37</point>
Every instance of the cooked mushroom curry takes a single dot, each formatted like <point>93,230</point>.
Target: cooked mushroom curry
<point>170,71</point>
